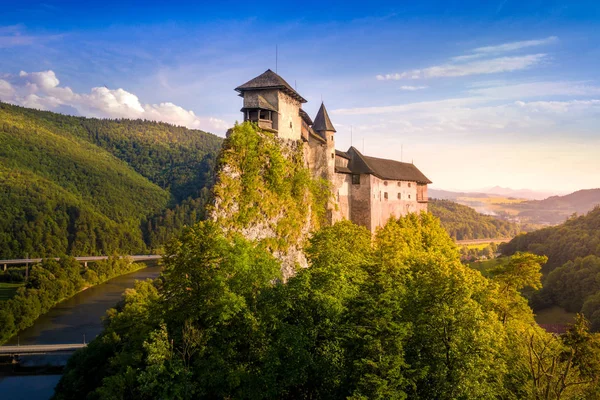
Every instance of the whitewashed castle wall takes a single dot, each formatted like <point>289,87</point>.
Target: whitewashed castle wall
<point>383,208</point>
<point>289,120</point>
<point>341,190</point>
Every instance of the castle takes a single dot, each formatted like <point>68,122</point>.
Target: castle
<point>367,190</point>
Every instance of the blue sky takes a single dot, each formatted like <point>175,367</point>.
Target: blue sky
<point>476,93</point>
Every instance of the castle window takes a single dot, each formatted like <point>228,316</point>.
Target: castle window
<point>332,155</point>
<point>399,196</point>
<point>409,196</point>
<point>399,183</point>
<point>290,125</point>
<point>355,179</point>
<point>408,184</point>
<point>385,183</point>
<point>385,195</point>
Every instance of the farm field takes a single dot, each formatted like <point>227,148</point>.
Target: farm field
<point>8,290</point>
<point>554,315</point>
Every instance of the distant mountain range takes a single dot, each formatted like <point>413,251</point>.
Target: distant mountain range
<point>514,205</point>
<point>520,193</point>
<point>526,194</point>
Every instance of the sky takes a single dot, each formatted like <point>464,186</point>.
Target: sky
<point>476,94</point>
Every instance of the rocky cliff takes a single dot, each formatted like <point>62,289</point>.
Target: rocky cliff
<point>265,191</point>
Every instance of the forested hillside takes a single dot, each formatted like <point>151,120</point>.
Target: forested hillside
<point>73,185</point>
<point>463,222</point>
<point>572,274</point>
<point>577,237</point>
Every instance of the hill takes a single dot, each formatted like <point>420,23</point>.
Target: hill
<point>572,273</point>
<point>394,315</point>
<point>556,209</point>
<point>577,237</point>
<point>519,193</point>
<point>531,214</point>
<point>74,185</point>
<point>463,222</point>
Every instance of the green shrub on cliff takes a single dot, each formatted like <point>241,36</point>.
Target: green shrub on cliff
<point>264,185</point>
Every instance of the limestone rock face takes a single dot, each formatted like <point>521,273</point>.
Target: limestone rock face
<point>265,192</point>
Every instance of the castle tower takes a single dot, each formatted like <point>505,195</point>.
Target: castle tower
<point>324,128</point>
<point>273,104</point>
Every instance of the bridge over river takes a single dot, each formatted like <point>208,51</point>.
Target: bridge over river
<point>37,349</point>
<point>61,331</point>
<point>85,259</point>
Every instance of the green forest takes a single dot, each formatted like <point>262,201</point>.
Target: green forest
<point>572,274</point>
<point>463,222</point>
<point>392,317</point>
<point>85,186</point>
<point>396,315</point>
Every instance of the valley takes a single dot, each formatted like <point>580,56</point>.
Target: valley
<point>529,214</point>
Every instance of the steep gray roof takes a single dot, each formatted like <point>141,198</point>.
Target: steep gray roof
<point>322,121</point>
<point>342,154</point>
<point>270,80</point>
<point>305,117</point>
<point>385,169</point>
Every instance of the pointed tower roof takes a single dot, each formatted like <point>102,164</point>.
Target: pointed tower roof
<point>322,121</point>
<point>269,80</point>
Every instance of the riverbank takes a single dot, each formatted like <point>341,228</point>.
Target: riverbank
<point>51,283</point>
<point>68,322</point>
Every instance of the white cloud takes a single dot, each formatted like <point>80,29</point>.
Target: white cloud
<point>6,89</point>
<point>479,62</point>
<point>413,88</point>
<point>473,119</point>
<point>409,107</point>
<point>491,66</point>
<point>536,89</point>
<point>42,90</point>
<point>506,47</point>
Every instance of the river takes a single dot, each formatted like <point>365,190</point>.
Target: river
<point>68,322</point>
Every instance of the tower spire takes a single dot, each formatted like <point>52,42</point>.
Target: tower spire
<point>322,121</point>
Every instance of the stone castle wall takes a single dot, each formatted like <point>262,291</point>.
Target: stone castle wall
<point>289,120</point>
<point>341,190</point>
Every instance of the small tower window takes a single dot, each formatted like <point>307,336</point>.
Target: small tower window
<point>332,155</point>
<point>355,179</point>
<point>399,196</point>
<point>399,183</point>
<point>385,195</point>
<point>409,195</point>
<point>385,183</point>
<point>408,184</point>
